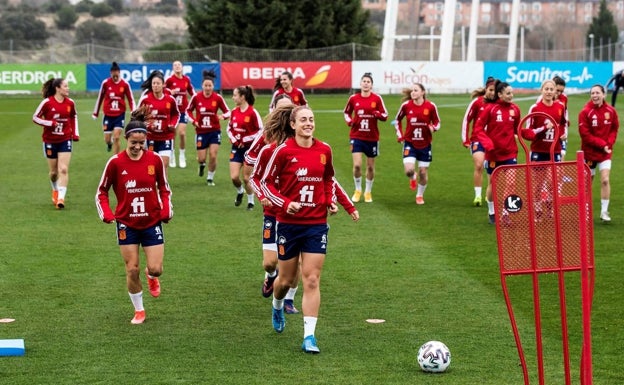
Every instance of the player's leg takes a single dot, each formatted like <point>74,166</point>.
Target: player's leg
<point>235,173</point>
<point>605,190</point>
<point>182,145</point>
<point>311,267</point>
<point>130,254</point>
<point>247,170</point>
<point>370,178</point>
<point>154,265</point>
<point>409,166</point>
<point>116,145</point>
<point>63,177</point>
<point>52,159</point>
<point>423,168</point>
<point>357,176</point>
<point>478,158</point>
<point>213,152</point>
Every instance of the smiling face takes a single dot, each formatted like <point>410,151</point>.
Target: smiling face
<point>597,95</point>
<point>136,144</point>
<point>506,95</point>
<point>549,91</point>
<point>286,82</point>
<point>303,123</point>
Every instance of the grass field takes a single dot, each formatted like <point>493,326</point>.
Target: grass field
<point>430,271</point>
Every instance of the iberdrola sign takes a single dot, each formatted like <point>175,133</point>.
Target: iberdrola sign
<point>30,77</point>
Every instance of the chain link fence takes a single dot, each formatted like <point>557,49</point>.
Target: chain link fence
<point>410,50</point>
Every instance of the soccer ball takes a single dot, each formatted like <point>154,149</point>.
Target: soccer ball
<point>434,357</point>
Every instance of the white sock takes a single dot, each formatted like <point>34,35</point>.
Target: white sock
<point>210,175</point>
<point>54,186</point>
<point>604,205</point>
<point>182,152</point>
<point>137,300</point>
<point>291,293</point>
<point>270,275</point>
<point>250,198</point>
<point>358,183</point>
<point>421,190</point>
<point>278,303</point>
<point>309,326</point>
<point>369,185</point>
<point>239,190</point>
<point>61,192</point>
<point>478,191</point>
<point>490,208</point>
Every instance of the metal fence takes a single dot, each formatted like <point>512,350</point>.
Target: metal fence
<point>411,50</point>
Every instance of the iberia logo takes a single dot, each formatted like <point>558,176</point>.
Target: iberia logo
<point>319,77</point>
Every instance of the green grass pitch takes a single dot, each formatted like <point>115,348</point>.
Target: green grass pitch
<point>430,271</point>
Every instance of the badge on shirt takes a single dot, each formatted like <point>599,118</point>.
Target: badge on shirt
<point>151,170</point>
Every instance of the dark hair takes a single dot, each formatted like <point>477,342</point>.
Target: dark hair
<point>248,93</point>
<point>50,86</point>
<point>499,86</point>
<point>367,75</point>
<point>481,90</point>
<point>115,67</point>
<point>278,83</point>
<point>138,119</point>
<point>559,81</point>
<point>277,124</point>
<point>209,75</point>
<point>599,86</point>
<point>147,84</point>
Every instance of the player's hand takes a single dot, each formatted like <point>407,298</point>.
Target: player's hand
<point>265,202</point>
<point>333,208</point>
<point>76,138</point>
<point>377,114</point>
<point>94,116</point>
<point>164,216</point>
<point>355,216</point>
<point>171,128</point>
<point>110,219</point>
<point>466,144</point>
<point>400,139</point>
<point>293,208</point>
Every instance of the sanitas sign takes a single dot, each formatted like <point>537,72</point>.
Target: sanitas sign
<point>30,77</point>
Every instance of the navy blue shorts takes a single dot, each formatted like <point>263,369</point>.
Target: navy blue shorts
<point>159,146</point>
<point>237,155</point>
<point>51,150</point>
<point>490,166</point>
<point>420,154</point>
<point>544,157</point>
<point>151,236</point>
<point>111,122</point>
<point>370,149</point>
<point>476,147</point>
<point>183,118</point>
<point>203,141</point>
<point>269,225</point>
<point>292,240</point>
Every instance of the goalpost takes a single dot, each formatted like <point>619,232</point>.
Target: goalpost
<point>448,29</point>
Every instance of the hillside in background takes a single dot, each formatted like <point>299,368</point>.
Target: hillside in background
<point>139,30</point>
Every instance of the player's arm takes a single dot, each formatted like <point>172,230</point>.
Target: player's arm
<point>164,192</point>
<point>102,201</point>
